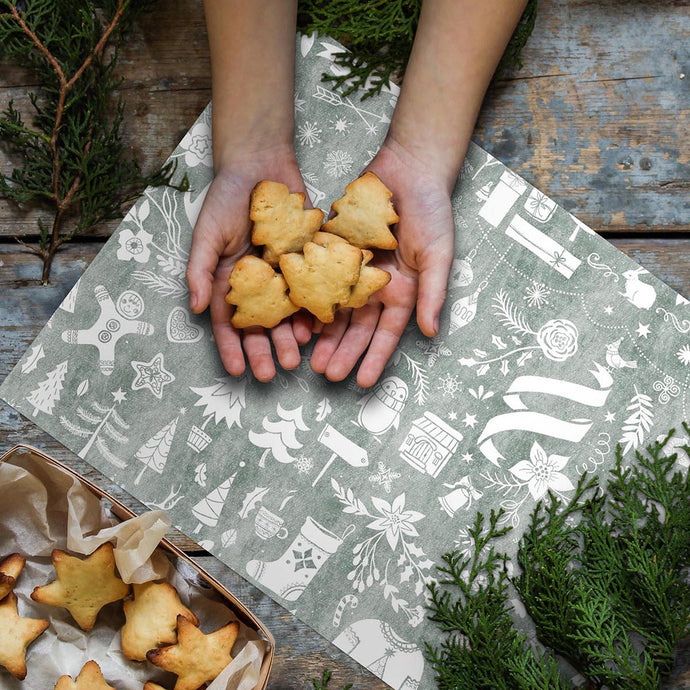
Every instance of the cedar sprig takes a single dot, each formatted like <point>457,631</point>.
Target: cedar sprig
<point>379,36</point>
<point>73,164</point>
<point>470,603</point>
<point>603,577</point>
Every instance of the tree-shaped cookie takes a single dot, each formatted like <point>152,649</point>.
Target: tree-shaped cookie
<point>322,277</point>
<point>151,618</point>
<point>9,572</point>
<point>364,213</point>
<point>370,279</point>
<point>280,221</point>
<point>16,634</point>
<point>259,293</point>
<point>196,658</point>
<point>83,587</point>
<point>90,678</point>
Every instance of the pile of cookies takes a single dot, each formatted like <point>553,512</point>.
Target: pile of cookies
<point>308,265</point>
<point>158,626</point>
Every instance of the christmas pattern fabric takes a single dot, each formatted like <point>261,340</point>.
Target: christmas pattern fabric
<point>337,501</point>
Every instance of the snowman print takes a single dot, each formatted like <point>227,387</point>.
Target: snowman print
<point>380,410</point>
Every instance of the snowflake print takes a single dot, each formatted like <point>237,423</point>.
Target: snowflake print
<point>372,129</point>
<point>304,465</point>
<point>308,134</point>
<point>340,125</point>
<point>537,295</point>
<point>338,163</point>
<point>449,385</point>
<point>433,349</point>
<point>384,477</point>
<point>684,355</point>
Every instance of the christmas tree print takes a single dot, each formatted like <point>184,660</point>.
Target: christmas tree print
<point>154,453</point>
<point>208,509</point>
<point>48,392</point>
<point>108,425</point>
<point>280,436</point>
<point>225,400</point>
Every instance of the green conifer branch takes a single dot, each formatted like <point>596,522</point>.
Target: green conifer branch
<point>602,576</point>
<point>72,162</point>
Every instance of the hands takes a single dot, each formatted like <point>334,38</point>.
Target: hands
<point>419,270</point>
<point>221,236</point>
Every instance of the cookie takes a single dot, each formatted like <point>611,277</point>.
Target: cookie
<point>280,222</point>
<point>259,293</point>
<point>83,587</point>
<point>364,213</point>
<point>150,685</point>
<point>196,658</point>
<point>9,572</point>
<point>90,678</point>
<point>151,619</point>
<point>322,277</point>
<point>370,280</point>
<point>16,634</point>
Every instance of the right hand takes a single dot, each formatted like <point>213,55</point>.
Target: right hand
<point>221,236</point>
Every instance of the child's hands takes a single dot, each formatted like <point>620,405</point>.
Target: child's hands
<point>419,270</point>
<point>221,236</point>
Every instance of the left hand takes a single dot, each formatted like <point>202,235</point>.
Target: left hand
<point>419,270</point>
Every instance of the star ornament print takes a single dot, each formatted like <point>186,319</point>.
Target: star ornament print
<point>337,501</point>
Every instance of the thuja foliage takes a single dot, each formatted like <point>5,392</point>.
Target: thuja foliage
<point>602,576</point>
<point>379,35</point>
<point>73,163</point>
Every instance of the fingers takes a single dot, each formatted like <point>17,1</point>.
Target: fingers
<point>201,266</point>
<point>227,338</point>
<point>354,342</point>
<point>258,348</point>
<point>388,332</point>
<point>330,335</point>
<point>302,327</point>
<point>286,345</point>
<point>434,270</point>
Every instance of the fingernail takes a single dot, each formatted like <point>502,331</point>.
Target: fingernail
<point>436,325</point>
<point>193,301</point>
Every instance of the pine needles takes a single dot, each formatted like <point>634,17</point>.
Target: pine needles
<point>379,35</point>
<point>72,161</point>
<point>603,577</point>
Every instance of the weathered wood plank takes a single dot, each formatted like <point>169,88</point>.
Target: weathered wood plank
<point>597,118</point>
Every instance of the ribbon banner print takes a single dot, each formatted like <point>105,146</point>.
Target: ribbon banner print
<point>337,501</point>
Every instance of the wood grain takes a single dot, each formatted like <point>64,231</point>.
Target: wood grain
<point>597,118</point>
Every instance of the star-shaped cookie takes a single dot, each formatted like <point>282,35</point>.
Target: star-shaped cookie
<point>16,634</point>
<point>364,213</point>
<point>83,587</point>
<point>280,221</point>
<point>259,293</point>
<point>89,678</point>
<point>196,658</point>
<point>152,618</point>
<point>9,572</point>
<point>322,277</point>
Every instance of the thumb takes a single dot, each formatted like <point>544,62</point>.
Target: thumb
<point>434,270</point>
<point>207,247</point>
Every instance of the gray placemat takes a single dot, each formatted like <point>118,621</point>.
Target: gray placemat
<point>334,500</point>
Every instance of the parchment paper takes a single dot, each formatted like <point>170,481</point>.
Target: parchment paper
<point>44,508</point>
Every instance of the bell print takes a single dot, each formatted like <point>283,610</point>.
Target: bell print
<point>461,497</point>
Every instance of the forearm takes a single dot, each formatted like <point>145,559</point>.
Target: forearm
<point>457,47</point>
<point>252,44</point>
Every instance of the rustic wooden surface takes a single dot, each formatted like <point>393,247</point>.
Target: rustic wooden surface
<point>598,118</point>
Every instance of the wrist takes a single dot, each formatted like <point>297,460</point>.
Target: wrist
<point>437,164</point>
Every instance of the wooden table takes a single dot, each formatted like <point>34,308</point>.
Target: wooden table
<point>598,118</point>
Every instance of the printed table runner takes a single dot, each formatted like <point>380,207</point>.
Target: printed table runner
<point>334,500</point>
